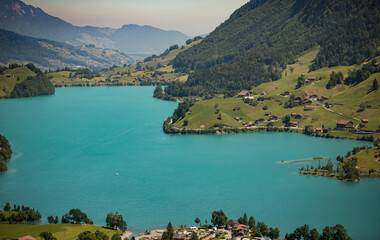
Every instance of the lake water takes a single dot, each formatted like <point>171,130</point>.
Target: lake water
<point>69,147</point>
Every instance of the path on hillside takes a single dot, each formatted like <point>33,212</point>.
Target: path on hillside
<point>339,113</point>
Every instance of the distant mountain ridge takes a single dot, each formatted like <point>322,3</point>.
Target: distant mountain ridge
<point>27,20</point>
<point>47,54</point>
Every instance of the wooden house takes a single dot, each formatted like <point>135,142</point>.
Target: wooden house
<point>343,124</point>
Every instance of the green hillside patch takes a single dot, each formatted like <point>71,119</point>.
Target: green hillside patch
<point>60,231</point>
<point>18,75</point>
<point>368,159</point>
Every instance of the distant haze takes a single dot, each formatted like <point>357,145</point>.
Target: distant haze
<point>192,17</point>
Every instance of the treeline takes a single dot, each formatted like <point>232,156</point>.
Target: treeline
<point>19,214</point>
<point>33,86</point>
<point>5,153</point>
<point>262,37</point>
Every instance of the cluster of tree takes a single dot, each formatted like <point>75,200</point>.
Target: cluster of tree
<point>5,153</point>
<point>189,41</point>
<point>33,86</point>
<point>329,233</point>
<point>358,76</point>
<point>291,103</point>
<point>98,235</point>
<point>265,35</point>
<point>301,81</point>
<point>335,79</point>
<point>158,92</point>
<point>19,214</point>
<point>181,110</point>
<point>76,216</point>
<point>47,236</point>
<point>374,87</point>
<point>115,221</point>
<point>84,73</point>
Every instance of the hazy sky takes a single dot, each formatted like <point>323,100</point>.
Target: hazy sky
<point>193,17</point>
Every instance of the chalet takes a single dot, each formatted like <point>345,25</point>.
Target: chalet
<point>308,108</point>
<point>318,130</point>
<point>311,79</point>
<point>313,97</point>
<point>328,104</point>
<point>260,99</point>
<point>343,124</point>
<point>8,75</point>
<point>26,238</point>
<point>238,119</point>
<point>293,114</point>
<point>231,224</point>
<point>115,81</point>
<point>365,121</point>
<point>267,113</point>
<point>260,121</point>
<point>101,81</point>
<point>298,99</point>
<point>273,118</point>
<point>286,94</point>
<point>298,116</point>
<point>240,230</point>
<point>325,98</point>
<point>291,124</point>
<point>263,93</point>
<point>307,101</point>
<point>251,124</point>
<point>244,93</point>
<point>326,130</point>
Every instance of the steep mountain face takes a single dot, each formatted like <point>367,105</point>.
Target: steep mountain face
<point>27,20</point>
<point>259,39</point>
<point>15,48</point>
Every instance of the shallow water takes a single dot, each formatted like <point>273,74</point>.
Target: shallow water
<point>69,147</point>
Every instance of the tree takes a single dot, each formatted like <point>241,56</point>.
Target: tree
<point>50,219</point>
<point>197,221</point>
<point>7,207</point>
<point>76,216</point>
<point>243,220</point>
<point>314,235</point>
<point>291,69</point>
<point>168,234</point>
<point>116,221</point>
<point>194,236</point>
<point>116,237</point>
<point>263,228</point>
<point>158,92</point>
<point>375,87</point>
<point>274,233</point>
<point>65,218</point>
<point>56,221</point>
<point>219,218</point>
<point>287,119</point>
<point>301,81</point>
<point>252,222</point>
<point>309,130</point>
<point>47,236</point>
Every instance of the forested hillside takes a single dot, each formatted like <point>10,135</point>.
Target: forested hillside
<point>262,37</point>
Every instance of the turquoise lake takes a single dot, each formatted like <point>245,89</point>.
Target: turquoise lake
<point>69,147</point>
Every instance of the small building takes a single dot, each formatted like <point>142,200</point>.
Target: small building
<point>299,116</point>
<point>26,238</point>
<point>311,79</point>
<point>244,93</point>
<point>263,93</point>
<point>286,94</point>
<point>291,124</point>
<point>250,124</point>
<point>325,98</point>
<point>307,101</point>
<point>240,230</point>
<point>328,104</point>
<point>115,81</point>
<point>267,113</point>
<point>231,224</point>
<point>318,130</point>
<point>180,236</point>
<point>273,118</point>
<point>101,81</point>
<point>326,130</point>
<point>298,99</point>
<point>308,108</point>
<point>313,97</point>
<point>260,121</point>
<point>238,119</point>
<point>343,124</point>
<point>293,114</point>
<point>365,121</point>
<point>8,75</point>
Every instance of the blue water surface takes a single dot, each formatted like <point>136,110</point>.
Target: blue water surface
<point>69,147</point>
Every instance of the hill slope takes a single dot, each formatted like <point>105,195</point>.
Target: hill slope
<point>262,37</point>
<point>50,54</point>
<point>30,21</point>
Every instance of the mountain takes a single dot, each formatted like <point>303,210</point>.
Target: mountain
<point>15,48</point>
<point>27,20</point>
<point>256,43</point>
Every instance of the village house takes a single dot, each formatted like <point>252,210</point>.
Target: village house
<point>115,81</point>
<point>244,93</point>
<point>8,75</point>
<point>307,101</point>
<point>293,114</point>
<point>318,130</point>
<point>328,104</point>
<point>260,121</point>
<point>263,93</point>
<point>181,236</point>
<point>325,98</point>
<point>291,124</point>
<point>313,97</point>
<point>231,224</point>
<point>365,121</point>
<point>26,238</point>
<point>326,130</point>
<point>267,113</point>
<point>311,79</point>
<point>299,116</point>
<point>240,230</point>
<point>343,124</point>
<point>273,118</point>
<point>286,94</point>
<point>238,119</point>
<point>308,108</point>
<point>250,124</point>
<point>298,99</point>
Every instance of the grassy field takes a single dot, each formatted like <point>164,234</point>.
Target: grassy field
<point>60,231</point>
<point>367,160</point>
<point>346,100</point>
<point>7,84</point>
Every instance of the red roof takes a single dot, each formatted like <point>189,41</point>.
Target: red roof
<point>365,120</point>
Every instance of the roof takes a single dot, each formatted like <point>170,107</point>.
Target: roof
<point>26,238</point>
<point>318,129</point>
<point>309,106</point>
<point>240,227</point>
<point>343,122</point>
<point>364,120</point>
<point>243,93</point>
